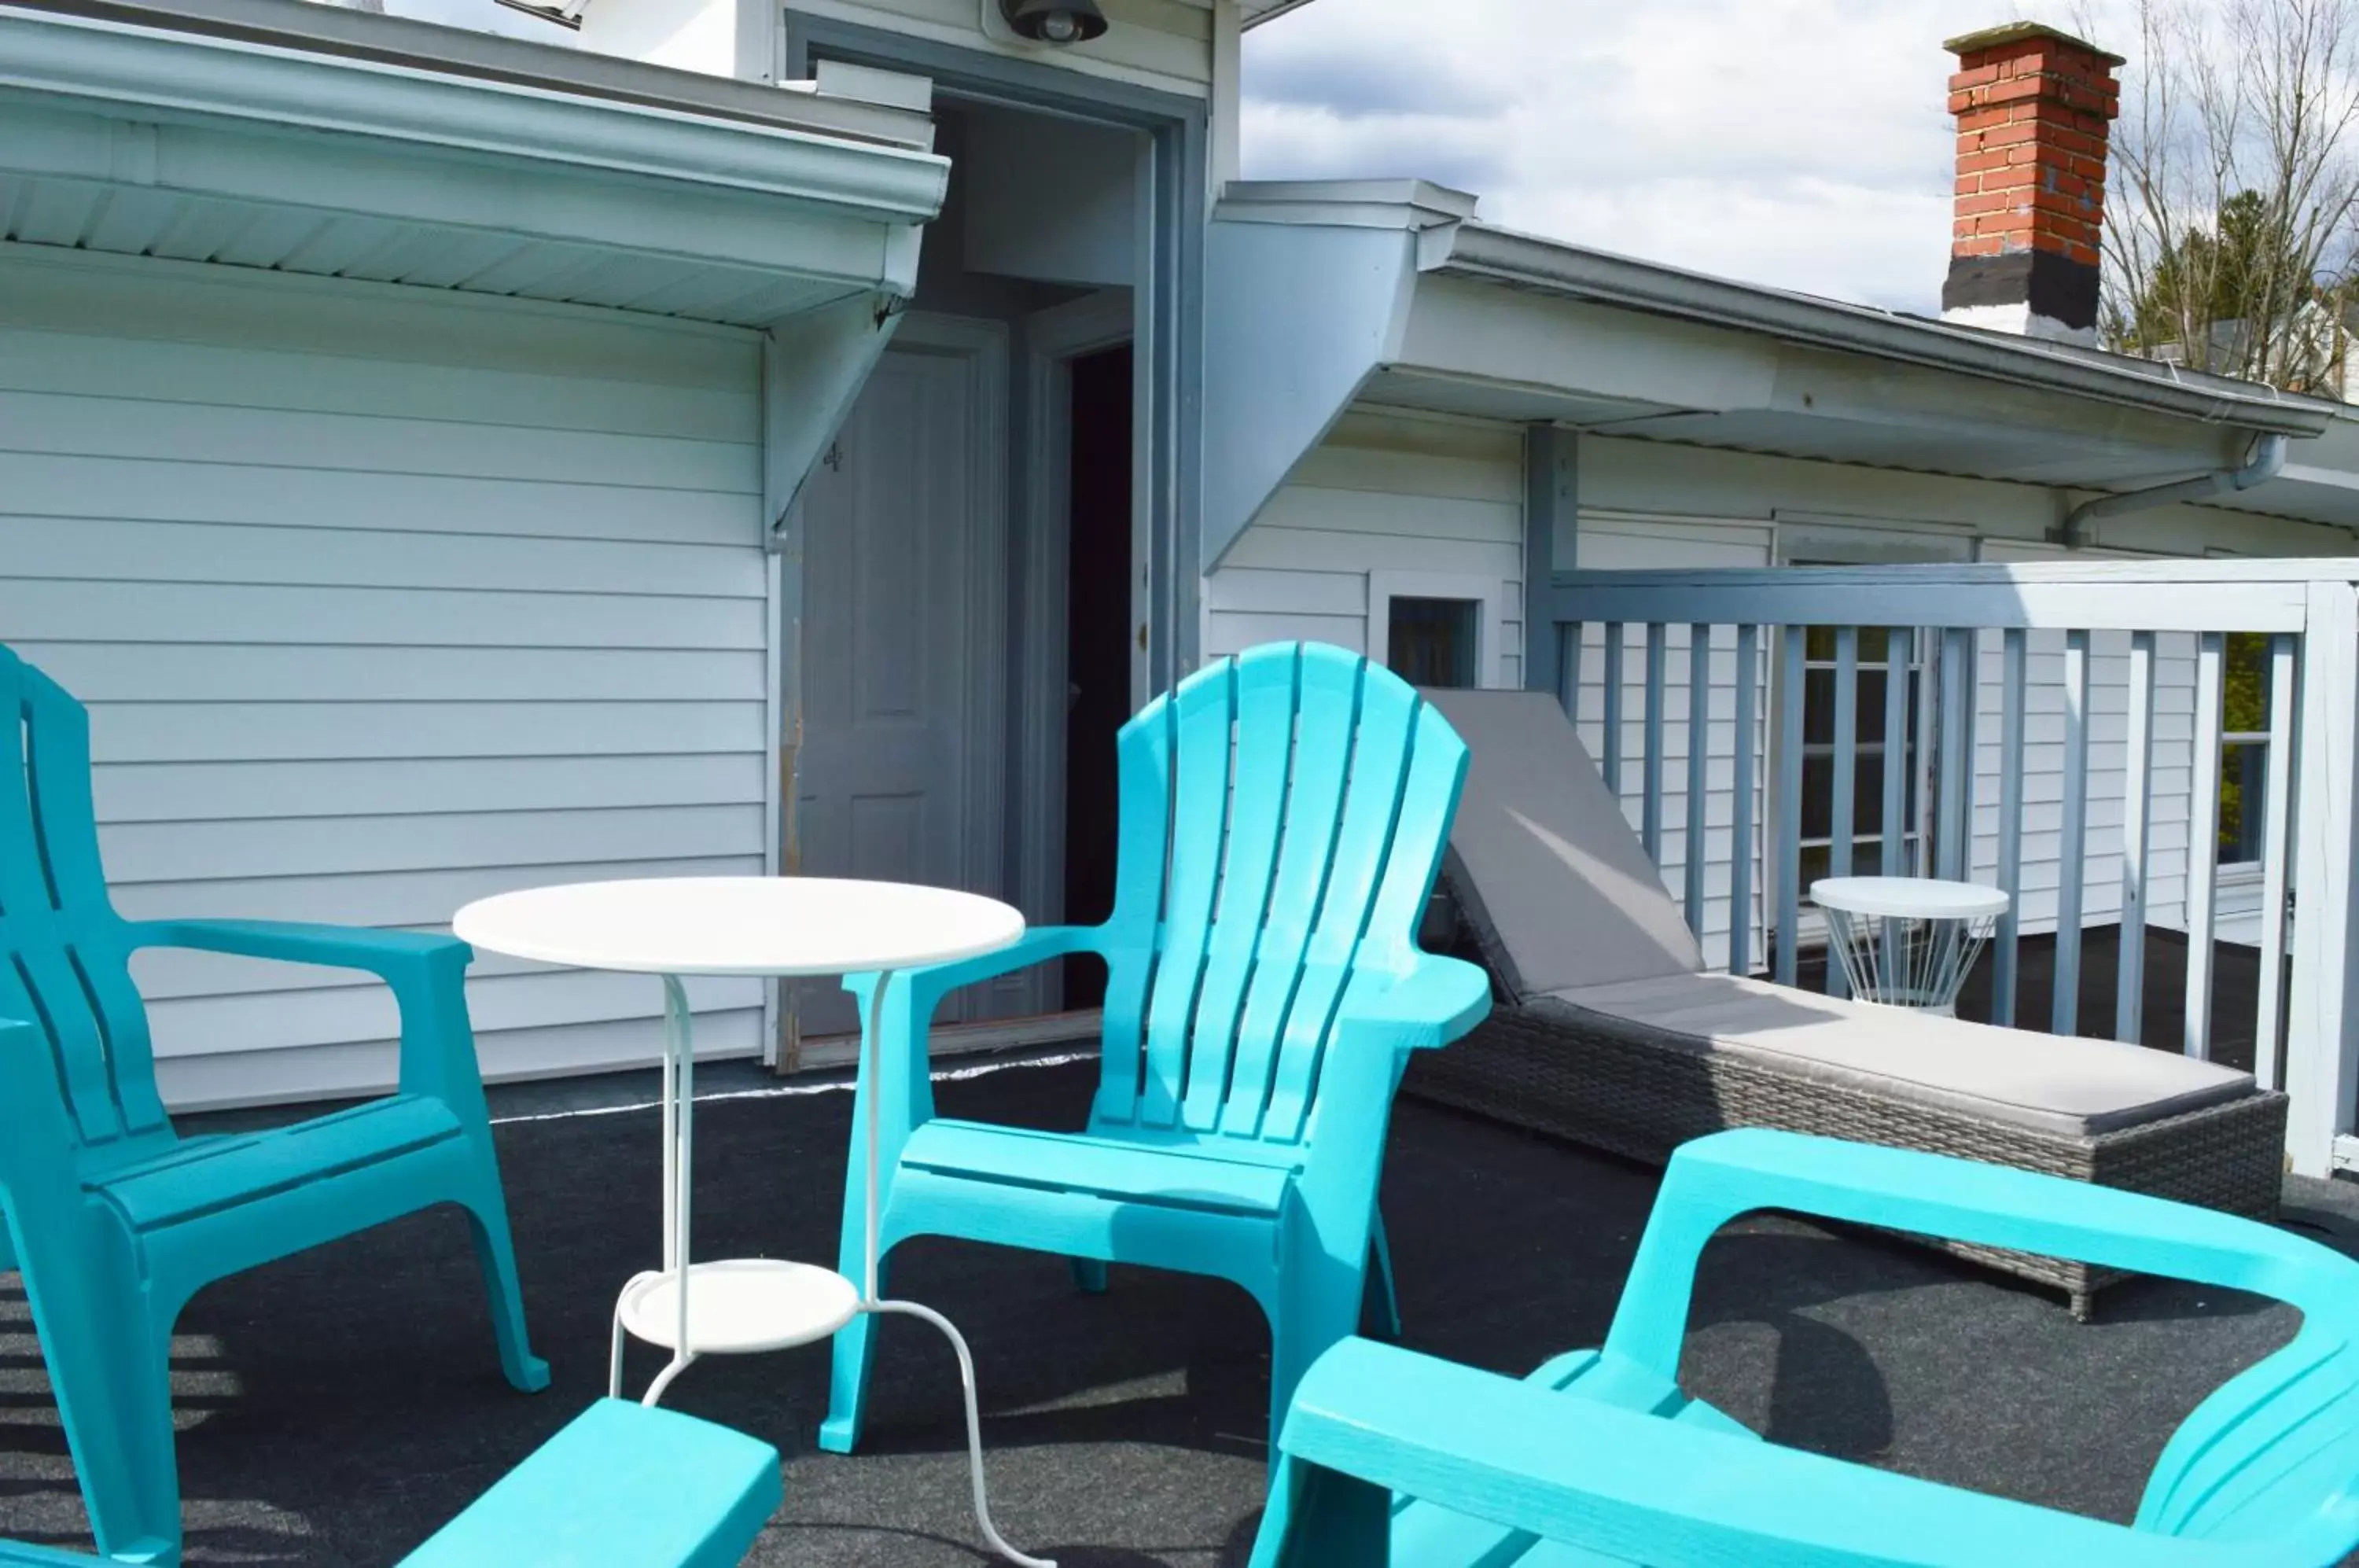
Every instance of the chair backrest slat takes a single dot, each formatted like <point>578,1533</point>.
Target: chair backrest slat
<point>1266,705</point>
<point>62,964</point>
<point>1264,800</point>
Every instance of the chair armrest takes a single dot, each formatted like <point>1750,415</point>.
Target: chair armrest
<point>387,955</point>
<point>1715,1178</point>
<point>1433,1002</point>
<point>926,987</point>
<point>1638,1487</point>
<point>427,975</point>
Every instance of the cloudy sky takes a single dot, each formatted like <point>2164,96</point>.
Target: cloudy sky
<point>1802,143</point>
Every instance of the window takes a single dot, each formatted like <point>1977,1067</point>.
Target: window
<point>1871,751</point>
<point>1433,642</point>
<point>2244,746</point>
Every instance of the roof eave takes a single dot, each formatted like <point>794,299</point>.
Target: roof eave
<point>1517,260</point>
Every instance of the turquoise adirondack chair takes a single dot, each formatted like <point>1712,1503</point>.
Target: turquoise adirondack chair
<point>1283,816</point>
<point>115,1219</point>
<point>622,1486</point>
<point>1599,1458</point>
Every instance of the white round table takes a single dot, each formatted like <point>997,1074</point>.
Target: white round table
<point>1907,941</point>
<point>771,927</point>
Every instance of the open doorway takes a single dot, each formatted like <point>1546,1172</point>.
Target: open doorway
<point>1097,645</point>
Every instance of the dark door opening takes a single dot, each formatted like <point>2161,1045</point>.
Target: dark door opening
<point>1097,647</point>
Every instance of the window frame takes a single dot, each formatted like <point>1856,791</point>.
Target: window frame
<point>1488,593</point>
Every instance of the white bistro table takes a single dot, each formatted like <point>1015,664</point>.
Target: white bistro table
<point>771,927</point>
<point>1907,941</point>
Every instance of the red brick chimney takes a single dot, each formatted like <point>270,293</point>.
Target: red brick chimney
<point>2033,107</point>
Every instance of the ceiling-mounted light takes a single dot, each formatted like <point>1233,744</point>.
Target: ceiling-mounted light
<point>1054,21</point>
<point>564,13</point>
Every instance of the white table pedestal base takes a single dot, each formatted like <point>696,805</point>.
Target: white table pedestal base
<point>746,1304</point>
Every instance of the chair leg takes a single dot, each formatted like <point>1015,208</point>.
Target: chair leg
<point>855,1353</point>
<point>1380,1313</point>
<point>1090,1276</point>
<point>119,1422</point>
<point>487,1214</point>
<point>1310,1322</point>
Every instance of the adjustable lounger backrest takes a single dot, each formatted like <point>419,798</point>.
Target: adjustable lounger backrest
<point>1542,862</point>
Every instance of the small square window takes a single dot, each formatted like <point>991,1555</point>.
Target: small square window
<point>1432,641</point>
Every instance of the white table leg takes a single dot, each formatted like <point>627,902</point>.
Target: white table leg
<point>678,1128</point>
<point>872,1041</point>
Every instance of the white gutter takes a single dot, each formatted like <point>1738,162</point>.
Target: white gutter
<point>2266,464</point>
<point>153,74</point>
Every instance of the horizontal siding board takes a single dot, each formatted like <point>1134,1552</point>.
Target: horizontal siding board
<point>48,485</point>
<point>286,1020</point>
<point>388,899</point>
<point>68,548</point>
<point>280,673</point>
<point>287,791</point>
<point>193,851</point>
<point>163,612</point>
<point>341,1072</point>
<point>1411,515</point>
<point>304,732</point>
<point>274,439</point>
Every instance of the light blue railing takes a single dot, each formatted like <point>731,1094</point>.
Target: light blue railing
<point>1975,632</point>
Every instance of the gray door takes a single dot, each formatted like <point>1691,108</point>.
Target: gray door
<point>896,727</point>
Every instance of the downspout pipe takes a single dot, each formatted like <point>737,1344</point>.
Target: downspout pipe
<point>2266,461</point>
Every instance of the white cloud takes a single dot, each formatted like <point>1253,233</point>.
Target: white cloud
<point>1801,143</point>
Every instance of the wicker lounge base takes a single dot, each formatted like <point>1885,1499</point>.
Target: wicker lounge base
<point>1591,1078</point>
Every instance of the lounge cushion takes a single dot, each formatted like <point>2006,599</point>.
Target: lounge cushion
<point>1542,862</point>
<point>2073,1087</point>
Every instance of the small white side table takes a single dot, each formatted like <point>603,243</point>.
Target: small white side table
<point>1907,941</point>
<point>782,927</point>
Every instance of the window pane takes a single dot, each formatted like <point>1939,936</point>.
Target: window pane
<point>2244,802</point>
<point>2244,683</point>
<point>1432,641</point>
<point>1818,795</point>
<point>1818,707</point>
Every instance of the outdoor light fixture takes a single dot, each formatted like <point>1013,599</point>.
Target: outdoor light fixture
<point>564,13</point>
<point>1054,21</point>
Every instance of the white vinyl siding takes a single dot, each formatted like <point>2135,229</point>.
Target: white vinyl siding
<point>1623,542</point>
<point>381,603</point>
<point>1406,496</point>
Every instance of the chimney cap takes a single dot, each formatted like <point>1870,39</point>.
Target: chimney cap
<point>2018,32</point>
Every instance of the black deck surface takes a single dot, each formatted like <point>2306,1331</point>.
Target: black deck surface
<point>337,1406</point>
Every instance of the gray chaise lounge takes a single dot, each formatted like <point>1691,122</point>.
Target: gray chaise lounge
<point>1610,1033</point>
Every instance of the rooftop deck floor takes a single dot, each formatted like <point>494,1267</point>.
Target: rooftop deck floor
<point>339,1405</point>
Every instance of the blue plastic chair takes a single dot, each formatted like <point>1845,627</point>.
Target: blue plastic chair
<point>115,1219</point>
<point>1390,1457</point>
<point>1283,816</point>
<point>622,1486</point>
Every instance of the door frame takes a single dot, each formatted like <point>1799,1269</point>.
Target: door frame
<point>1053,339</point>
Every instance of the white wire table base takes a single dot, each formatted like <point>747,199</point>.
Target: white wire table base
<point>750,1304</point>
<point>1904,961</point>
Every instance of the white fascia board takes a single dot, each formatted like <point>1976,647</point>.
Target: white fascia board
<point>155,74</point>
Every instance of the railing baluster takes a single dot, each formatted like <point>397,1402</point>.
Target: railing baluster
<point>1745,795</point>
<point>1897,659</point>
<point>1952,848</point>
<point>1615,636</point>
<point>2138,810</point>
<point>2013,684</point>
<point>1840,835</point>
<point>1568,669</point>
<point>2203,841</point>
<point>1899,645</point>
<point>2268,1026</point>
<point>1790,808</point>
<point>1650,805</point>
<point>2072,840</point>
<point>1698,758</point>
